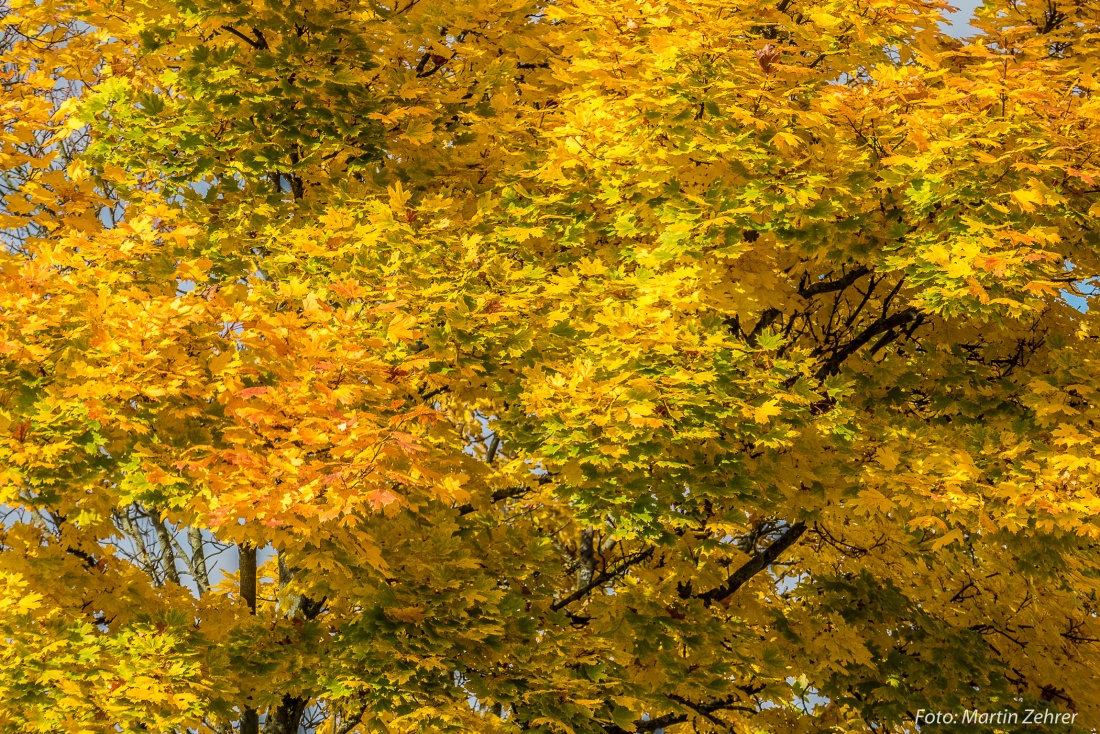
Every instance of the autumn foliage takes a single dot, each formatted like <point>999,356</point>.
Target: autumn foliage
<point>547,365</point>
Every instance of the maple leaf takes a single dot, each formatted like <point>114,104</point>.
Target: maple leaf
<point>766,56</point>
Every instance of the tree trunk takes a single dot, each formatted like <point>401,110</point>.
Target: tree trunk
<point>286,717</point>
<point>247,565</point>
<point>167,557</point>
<point>246,553</point>
<point>198,560</point>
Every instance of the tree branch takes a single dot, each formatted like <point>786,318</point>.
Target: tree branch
<point>828,286</point>
<point>259,43</point>
<point>885,323</point>
<point>755,565</point>
<point>703,709</point>
<point>491,453</point>
<point>167,555</point>
<point>767,318</point>
<point>138,537</point>
<point>198,560</point>
<point>601,579</point>
<point>183,555</point>
<point>508,493</point>
<point>352,721</point>
<point>586,554</point>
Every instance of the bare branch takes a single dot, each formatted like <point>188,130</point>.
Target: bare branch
<point>145,561</point>
<point>508,493</point>
<point>586,565</point>
<point>258,43</point>
<point>601,579</point>
<point>167,556</point>
<point>198,560</point>
<point>755,565</point>
<point>816,288</point>
<point>705,709</point>
<point>832,365</point>
<point>351,722</point>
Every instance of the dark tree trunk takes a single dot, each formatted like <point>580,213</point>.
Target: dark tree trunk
<point>246,553</point>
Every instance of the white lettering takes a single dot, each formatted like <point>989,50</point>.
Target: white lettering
<point>975,716</point>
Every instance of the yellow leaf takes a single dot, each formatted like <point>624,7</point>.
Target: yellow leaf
<point>955,535</point>
<point>1027,198</point>
<point>399,198</point>
<point>403,327</point>
<point>874,500</point>
<point>411,615</point>
<point>887,457</point>
<point>591,267</point>
<point>29,601</point>
<point>766,411</point>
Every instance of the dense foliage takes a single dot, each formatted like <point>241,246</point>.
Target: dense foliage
<point>565,365</point>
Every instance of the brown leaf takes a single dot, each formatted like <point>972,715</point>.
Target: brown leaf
<point>766,57</point>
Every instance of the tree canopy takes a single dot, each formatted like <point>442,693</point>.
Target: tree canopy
<point>547,365</point>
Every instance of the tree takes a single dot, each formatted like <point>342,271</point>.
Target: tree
<point>556,365</point>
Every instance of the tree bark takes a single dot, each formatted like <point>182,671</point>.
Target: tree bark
<point>287,716</point>
<point>756,564</point>
<point>586,558</point>
<point>247,564</point>
<point>131,528</point>
<point>246,553</point>
<point>198,560</point>
<point>167,557</point>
